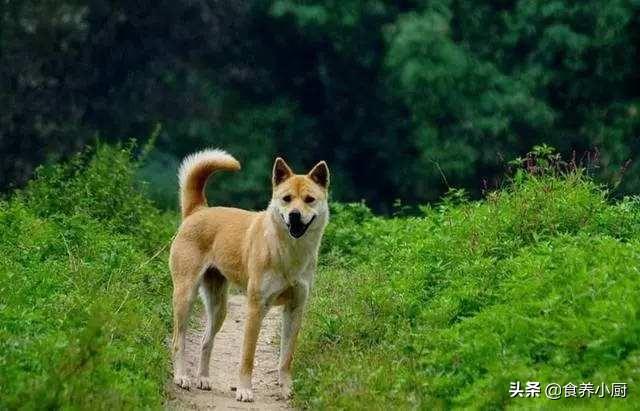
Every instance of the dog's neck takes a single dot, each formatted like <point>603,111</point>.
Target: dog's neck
<point>294,258</point>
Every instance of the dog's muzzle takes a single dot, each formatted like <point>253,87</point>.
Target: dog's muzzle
<point>296,227</point>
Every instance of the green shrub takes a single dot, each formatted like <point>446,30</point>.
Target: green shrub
<point>539,282</point>
<point>84,289</point>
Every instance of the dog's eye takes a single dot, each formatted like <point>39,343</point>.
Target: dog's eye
<point>286,198</point>
<point>309,199</point>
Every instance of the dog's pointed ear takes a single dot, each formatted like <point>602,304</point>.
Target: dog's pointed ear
<point>281,171</point>
<point>320,174</point>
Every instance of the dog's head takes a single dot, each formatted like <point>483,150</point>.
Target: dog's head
<point>300,200</point>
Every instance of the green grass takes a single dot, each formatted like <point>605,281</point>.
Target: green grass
<point>539,282</point>
<point>84,305</point>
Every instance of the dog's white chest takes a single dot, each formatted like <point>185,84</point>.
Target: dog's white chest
<point>276,286</point>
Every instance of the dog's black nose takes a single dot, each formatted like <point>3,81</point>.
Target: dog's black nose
<point>295,217</point>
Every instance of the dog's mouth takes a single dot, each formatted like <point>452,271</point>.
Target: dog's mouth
<point>296,227</point>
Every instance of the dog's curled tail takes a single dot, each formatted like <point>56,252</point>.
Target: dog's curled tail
<point>193,174</point>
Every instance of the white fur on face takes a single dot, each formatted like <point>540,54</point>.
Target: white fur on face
<point>319,209</point>
<point>284,212</point>
<point>302,194</point>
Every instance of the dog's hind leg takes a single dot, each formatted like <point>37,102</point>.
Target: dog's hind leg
<point>213,291</point>
<point>186,277</point>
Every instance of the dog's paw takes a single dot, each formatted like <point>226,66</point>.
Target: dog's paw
<point>286,392</point>
<point>182,381</point>
<point>203,383</point>
<point>244,394</point>
<point>284,381</point>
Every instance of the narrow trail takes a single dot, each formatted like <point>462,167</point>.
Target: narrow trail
<point>225,359</point>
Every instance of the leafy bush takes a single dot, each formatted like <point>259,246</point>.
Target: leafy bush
<point>84,289</point>
<point>538,282</point>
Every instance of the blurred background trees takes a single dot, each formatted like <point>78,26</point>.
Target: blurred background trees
<point>392,94</point>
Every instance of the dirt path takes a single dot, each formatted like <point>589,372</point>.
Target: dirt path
<point>224,365</point>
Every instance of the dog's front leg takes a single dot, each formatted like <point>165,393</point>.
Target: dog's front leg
<point>255,313</point>
<point>291,321</point>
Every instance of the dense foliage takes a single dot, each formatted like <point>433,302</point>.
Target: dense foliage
<point>539,282</point>
<point>392,94</point>
<point>84,289</point>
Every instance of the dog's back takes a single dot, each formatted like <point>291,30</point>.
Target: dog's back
<point>215,236</point>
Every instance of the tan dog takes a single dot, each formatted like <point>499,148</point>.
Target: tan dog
<point>271,254</point>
